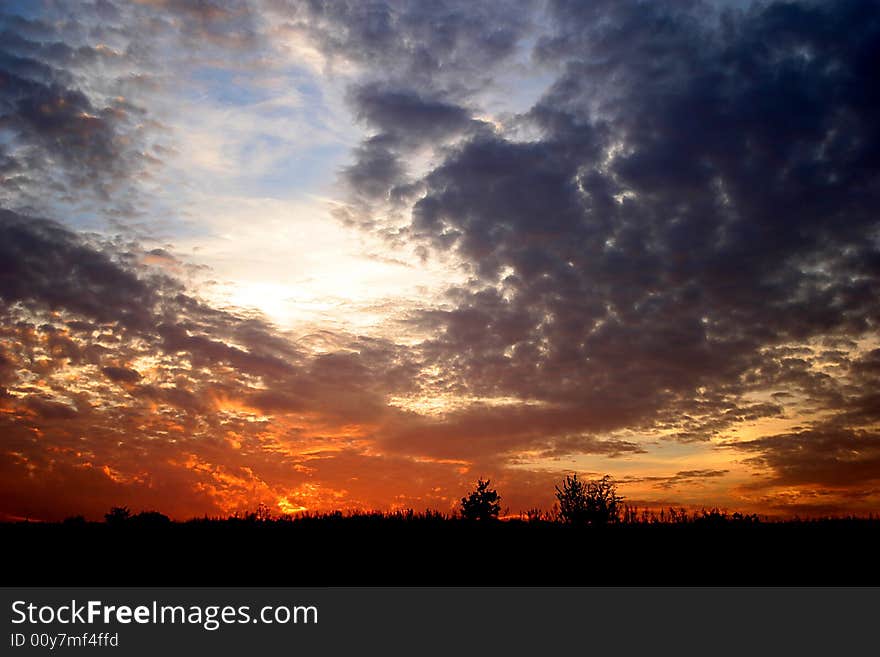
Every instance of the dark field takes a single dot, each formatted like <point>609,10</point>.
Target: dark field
<point>402,549</point>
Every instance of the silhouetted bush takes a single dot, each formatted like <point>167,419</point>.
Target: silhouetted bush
<point>150,519</point>
<point>536,515</point>
<point>261,514</point>
<point>117,515</point>
<point>588,503</point>
<point>483,503</point>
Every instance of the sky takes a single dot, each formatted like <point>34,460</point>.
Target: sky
<point>359,254</point>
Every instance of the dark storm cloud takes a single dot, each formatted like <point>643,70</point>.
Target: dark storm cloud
<point>49,409</point>
<point>377,168</point>
<point>827,455</point>
<point>59,119</point>
<point>861,407</point>
<point>204,350</point>
<point>423,60</point>
<point>700,198</point>
<point>44,265</point>
<point>704,190</point>
<point>121,374</point>
<point>405,115</point>
<point>405,120</point>
<point>63,137</point>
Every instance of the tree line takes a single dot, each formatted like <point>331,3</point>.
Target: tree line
<point>579,502</point>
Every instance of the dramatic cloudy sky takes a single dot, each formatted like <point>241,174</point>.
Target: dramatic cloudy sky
<point>357,254</point>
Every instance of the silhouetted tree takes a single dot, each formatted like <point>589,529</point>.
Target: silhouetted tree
<point>588,503</point>
<point>117,515</point>
<point>483,503</point>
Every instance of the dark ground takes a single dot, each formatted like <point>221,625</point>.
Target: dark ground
<point>384,552</point>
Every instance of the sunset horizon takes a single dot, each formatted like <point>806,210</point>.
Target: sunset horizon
<point>316,256</point>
